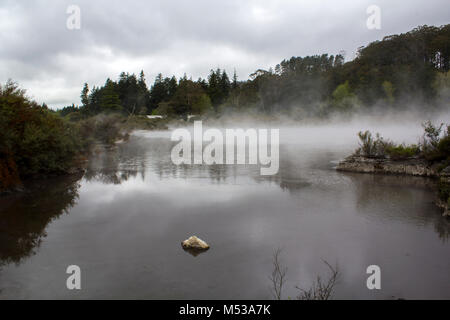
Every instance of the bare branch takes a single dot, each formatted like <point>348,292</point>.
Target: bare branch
<point>321,290</point>
<point>278,276</point>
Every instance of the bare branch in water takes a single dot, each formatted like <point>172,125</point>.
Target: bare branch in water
<point>321,290</point>
<point>278,276</point>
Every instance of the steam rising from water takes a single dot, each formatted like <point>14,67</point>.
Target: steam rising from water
<point>336,132</point>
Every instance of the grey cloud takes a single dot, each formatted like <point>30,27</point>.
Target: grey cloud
<point>173,37</point>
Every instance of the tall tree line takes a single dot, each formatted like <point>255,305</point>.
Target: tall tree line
<point>410,67</point>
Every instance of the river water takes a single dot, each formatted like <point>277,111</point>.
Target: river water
<point>123,221</point>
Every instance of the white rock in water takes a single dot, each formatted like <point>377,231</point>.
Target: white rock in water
<point>195,243</point>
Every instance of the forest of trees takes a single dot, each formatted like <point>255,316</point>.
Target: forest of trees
<point>399,70</point>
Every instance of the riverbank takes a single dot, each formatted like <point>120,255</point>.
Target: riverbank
<point>413,167</point>
<point>20,185</point>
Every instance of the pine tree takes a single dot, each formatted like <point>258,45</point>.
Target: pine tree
<point>141,82</point>
<point>85,95</point>
<point>224,86</point>
<point>171,87</point>
<point>110,101</point>
<point>234,84</point>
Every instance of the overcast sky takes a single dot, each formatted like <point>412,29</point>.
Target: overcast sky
<point>173,37</point>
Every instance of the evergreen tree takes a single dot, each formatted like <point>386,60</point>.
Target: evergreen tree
<point>225,86</point>
<point>171,87</point>
<point>234,84</point>
<point>85,95</point>
<point>109,100</point>
<point>158,92</point>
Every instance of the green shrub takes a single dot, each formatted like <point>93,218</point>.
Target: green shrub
<point>33,140</point>
<point>343,99</point>
<point>144,123</point>
<point>104,128</point>
<point>367,144</point>
<point>444,190</point>
<point>443,148</point>
<point>435,146</point>
<point>47,145</point>
<point>401,151</point>
<point>372,147</point>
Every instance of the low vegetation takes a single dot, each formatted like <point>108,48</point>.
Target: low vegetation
<point>434,146</point>
<point>37,141</point>
<point>278,276</point>
<point>436,143</point>
<point>33,140</point>
<point>320,289</point>
<point>143,123</point>
<point>444,191</point>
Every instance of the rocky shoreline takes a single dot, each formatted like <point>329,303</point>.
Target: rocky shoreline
<point>413,167</point>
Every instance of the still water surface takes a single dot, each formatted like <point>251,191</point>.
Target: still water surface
<point>123,221</point>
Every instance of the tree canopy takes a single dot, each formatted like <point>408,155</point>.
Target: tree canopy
<point>410,67</point>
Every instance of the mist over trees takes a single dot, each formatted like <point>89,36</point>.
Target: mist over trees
<point>399,70</point>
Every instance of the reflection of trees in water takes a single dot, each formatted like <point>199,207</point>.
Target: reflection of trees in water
<point>373,189</point>
<point>288,176</point>
<point>128,160</point>
<point>442,227</point>
<point>291,174</point>
<point>116,165</point>
<point>110,176</point>
<point>110,165</point>
<point>285,181</point>
<point>24,216</point>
